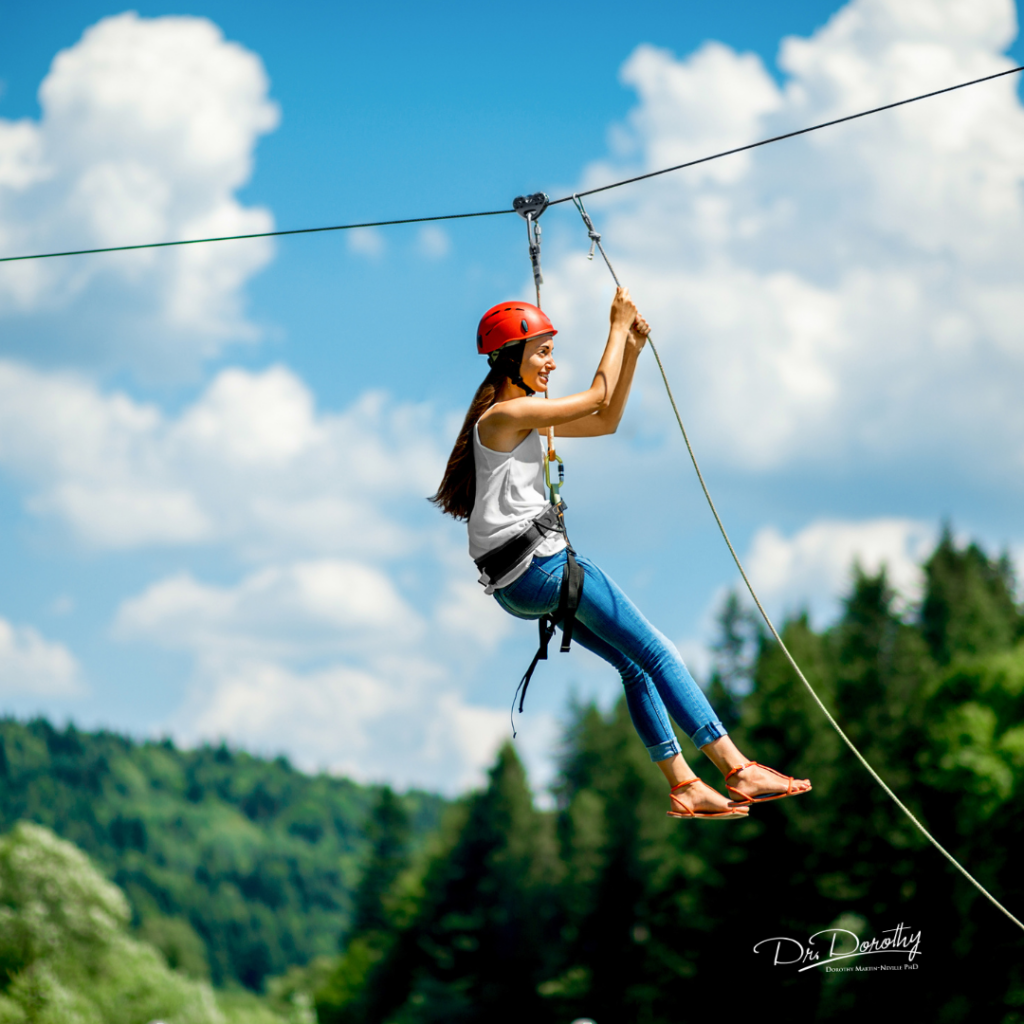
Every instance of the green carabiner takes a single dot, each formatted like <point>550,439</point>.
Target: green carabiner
<point>554,490</point>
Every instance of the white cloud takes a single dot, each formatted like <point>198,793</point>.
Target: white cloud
<point>148,127</point>
<point>367,242</point>
<point>302,609</point>
<point>698,106</point>
<point>251,463</point>
<point>30,664</point>
<point>848,298</point>
<point>321,648</point>
<point>433,242</point>
<point>812,569</point>
<point>328,661</point>
<point>403,725</point>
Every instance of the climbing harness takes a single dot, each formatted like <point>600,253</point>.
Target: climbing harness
<point>494,565</point>
<point>595,240</point>
<point>568,602</point>
<point>502,560</point>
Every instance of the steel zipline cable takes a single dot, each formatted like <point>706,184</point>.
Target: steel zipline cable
<point>596,240</point>
<point>497,213</point>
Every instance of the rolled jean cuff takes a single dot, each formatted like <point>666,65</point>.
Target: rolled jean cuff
<point>663,751</point>
<point>707,733</point>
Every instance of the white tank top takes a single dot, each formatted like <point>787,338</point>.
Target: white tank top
<point>509,494</point>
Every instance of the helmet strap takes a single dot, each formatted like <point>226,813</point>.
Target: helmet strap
<point>512,371</point>
<point>520,383</point>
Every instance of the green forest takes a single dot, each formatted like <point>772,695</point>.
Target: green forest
<point>235,867</point>
<point>355,905</point>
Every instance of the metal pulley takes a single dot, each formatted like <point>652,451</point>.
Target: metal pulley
<point>530,208</point>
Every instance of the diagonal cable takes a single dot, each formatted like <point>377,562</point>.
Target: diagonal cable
<point>496,213</point>
<point>596,240</point>
<point>789,135</point>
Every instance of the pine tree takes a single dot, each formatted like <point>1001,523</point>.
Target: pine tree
<point>477,948</point>
<point>388,832</point>
<point>739,633</point>
<point>969,605</point>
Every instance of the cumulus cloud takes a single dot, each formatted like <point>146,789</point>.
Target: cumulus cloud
<point>357,628</point>
<point>251,463</point>
<point>367,242</point>
<point>303,609</point>
<point>851,297</point>
<point>147,130</point>
<point>812,569</point>
<point>433,242</point>
<point>399,723</point>
<point>32,665</point>
<point>327,660</point>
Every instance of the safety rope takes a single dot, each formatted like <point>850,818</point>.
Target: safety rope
<point>497,213</point>
<point>595,240</point>
<point>530,208</point>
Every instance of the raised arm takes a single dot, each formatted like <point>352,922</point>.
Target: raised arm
<point>606,421</point>
<point>507,422</point>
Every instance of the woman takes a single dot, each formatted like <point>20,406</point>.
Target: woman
<point>495,480</point>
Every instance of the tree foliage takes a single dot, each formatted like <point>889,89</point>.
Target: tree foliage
<point>602,906</point>
<point>606,908</point>
<point>65,953</point>
<point>235,867</point>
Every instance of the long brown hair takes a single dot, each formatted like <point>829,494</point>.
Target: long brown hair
<point>457,492</point>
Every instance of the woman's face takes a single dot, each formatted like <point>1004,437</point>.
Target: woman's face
<point>538,362</point>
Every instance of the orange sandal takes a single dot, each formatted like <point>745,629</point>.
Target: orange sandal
<point>687,813</point>
<point>742,800</point>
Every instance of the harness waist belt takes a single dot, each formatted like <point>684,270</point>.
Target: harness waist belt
<point>501,561</point>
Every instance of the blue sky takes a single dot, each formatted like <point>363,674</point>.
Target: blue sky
<point>213,465</point>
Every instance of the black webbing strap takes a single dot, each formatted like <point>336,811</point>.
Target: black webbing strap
<point>569,597</point>
<point>501,561</point>
<point>568,602</point>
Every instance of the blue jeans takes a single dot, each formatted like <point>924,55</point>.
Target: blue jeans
<point>611,626</point>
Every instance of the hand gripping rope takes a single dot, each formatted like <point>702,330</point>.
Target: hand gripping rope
<point>595,240</point>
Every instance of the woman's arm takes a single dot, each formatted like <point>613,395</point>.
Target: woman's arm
<point>606,421</point>
<point>510,420</point>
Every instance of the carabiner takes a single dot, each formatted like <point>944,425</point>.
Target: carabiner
<point>554,490</point>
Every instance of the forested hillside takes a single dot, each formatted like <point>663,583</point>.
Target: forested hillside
<point>235,867</point>
<point>608,909</point>
<point>67,956</point>
<point>604,907</point>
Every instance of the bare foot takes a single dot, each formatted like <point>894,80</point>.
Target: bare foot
<point>696,799</point>
<point>755,783</point>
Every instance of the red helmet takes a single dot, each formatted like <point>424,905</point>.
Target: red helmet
<point>510,322</point>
